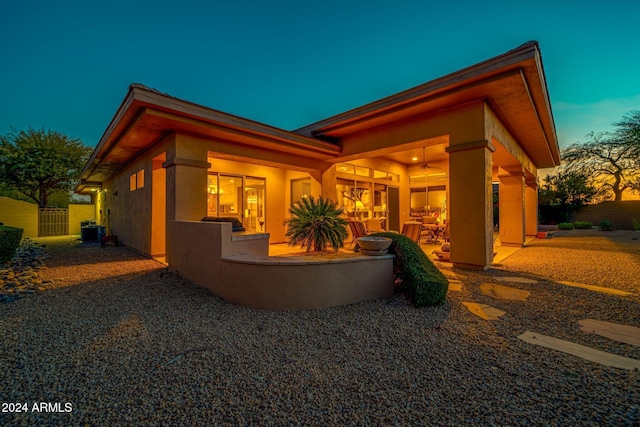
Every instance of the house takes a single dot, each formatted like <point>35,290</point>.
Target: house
<point>433,149</point>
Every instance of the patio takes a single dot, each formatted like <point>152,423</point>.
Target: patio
<point>128,343</point>
<point>502,252</point>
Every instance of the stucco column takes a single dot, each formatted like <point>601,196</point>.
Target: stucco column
<point>186,189</point>
<point>531,208</point>
<point>512,217</point>
<point>471,204</point>
<point>329,183</point>
<point>187,169</point>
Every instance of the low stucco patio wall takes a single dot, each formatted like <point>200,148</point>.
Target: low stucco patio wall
<point>238,268</point>
<point>280,283</point>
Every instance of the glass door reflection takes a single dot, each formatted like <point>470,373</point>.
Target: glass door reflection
<point>254,214</point>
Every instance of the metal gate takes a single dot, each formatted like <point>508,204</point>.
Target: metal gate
<point>53,222</point>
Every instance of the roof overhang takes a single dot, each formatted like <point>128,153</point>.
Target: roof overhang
<point>146,116</point>
<point>512,84</point>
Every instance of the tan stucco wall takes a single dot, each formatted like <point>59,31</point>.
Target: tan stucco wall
<point>287,286</point>
<point>197,251</point>
<point>619,213</point>
<point>131,211</point>
<point>531,209</point>
<point>158,206</point>
<point>78,213</point>
<point>20,214</point>
<point>462,123</point>
<point>512,209</point>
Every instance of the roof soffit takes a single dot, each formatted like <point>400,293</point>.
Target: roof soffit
<point>490,81</point>
<point>146,116</point>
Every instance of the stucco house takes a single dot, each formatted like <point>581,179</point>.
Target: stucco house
<point>437,148</point>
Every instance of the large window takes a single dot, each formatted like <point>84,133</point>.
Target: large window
<point>430,201</point>
<point>354,197</point>
<point>240,197</point>
<point>300,189</point>
<point>362,191</point>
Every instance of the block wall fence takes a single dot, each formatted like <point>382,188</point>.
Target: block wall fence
<point>21,214</point>
<point>619,213</point>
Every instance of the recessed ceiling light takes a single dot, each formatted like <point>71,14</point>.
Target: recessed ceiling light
<point>414,159</point>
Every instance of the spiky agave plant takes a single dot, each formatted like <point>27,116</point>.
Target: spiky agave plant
<point>316,224</point>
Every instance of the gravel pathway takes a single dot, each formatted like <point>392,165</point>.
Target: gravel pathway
<point>126,343</point>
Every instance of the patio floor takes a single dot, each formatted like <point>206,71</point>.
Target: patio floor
<point>502,252</point>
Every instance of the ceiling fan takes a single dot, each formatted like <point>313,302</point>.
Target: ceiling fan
<point>424,164</point>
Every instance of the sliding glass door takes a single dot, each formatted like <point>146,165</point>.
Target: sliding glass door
<point>254,198</point>
<point>239,197</point>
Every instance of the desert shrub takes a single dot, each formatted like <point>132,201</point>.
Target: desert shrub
<point>9,241</point>
<point>424,284</point>
<point>606,225</point>
<point>316,224</point>
<point>565,226</point>
<point>583,225</point>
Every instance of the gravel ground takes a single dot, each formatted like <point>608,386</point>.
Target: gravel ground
<point>126,343</point>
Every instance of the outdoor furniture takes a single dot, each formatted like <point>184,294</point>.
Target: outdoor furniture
<point>412,230</point>
<point>431,232</point>
<point>428,219</point>
<point>357,230</point>
<point>446,233</point>
<point>374,225</point>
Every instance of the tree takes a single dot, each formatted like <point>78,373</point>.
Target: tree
<point>628,131</point>
<point>563,194</point>
<point>39,163</point>
<point>609,160</point>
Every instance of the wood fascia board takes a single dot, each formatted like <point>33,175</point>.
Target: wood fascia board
<point>231,131</point>
<point>546,104</point>
<point>535,110</point>
<point>431,97</point>
<point>223,120</point>
<point>106,138</point>
<point>448,82</point>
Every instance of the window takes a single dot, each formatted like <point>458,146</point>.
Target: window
<point>237,196</point>
<point>348,168</point>
<point>136,180</point>
<point>300,189</point>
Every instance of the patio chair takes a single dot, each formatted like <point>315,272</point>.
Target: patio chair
<point>447,231</point>
<point>374,225</point>
<point>412,230</point>
<point>430,229</point>
<point>357,230</point>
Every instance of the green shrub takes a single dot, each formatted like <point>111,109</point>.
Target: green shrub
<point>423,282</point>
<point>606,225</point>
<point>583,225</point>
<point>9,241</point>
<point>565,226</point>
<point>635,223</point>
<point>316,224</point>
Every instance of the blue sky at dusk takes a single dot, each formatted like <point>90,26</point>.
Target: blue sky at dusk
<point>67,65</point>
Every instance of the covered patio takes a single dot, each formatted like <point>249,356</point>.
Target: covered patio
<point>164,163</point>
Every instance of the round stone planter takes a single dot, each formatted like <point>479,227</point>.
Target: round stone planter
<point>374,245</point>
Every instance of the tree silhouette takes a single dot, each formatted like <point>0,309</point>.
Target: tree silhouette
<point>38,163</point>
